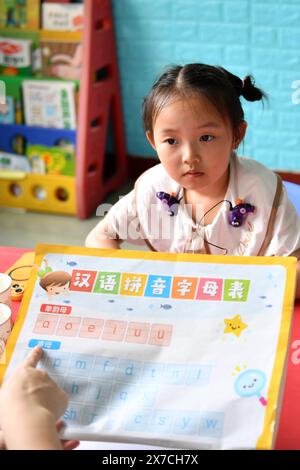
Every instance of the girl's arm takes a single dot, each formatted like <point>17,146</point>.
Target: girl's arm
<point>99,238</point>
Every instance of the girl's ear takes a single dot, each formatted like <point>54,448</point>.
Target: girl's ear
<point>241,134</point>
<point>150,138</point>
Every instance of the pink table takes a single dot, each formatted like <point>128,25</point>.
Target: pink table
<point>289,425</point>
<point>288,436</point>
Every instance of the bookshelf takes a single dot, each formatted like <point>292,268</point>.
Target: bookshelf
<point>99,112</point>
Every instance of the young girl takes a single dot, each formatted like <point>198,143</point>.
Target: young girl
<point>202,198</point>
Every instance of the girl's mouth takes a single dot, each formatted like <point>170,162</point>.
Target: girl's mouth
<point>194,173</point>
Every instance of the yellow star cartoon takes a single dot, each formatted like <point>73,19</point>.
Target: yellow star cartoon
<point>234,325</point>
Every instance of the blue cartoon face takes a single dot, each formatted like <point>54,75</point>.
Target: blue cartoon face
<point>250,383</point>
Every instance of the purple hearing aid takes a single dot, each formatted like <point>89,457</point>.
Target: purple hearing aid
<point>238,213</point>
<point>169,201</point>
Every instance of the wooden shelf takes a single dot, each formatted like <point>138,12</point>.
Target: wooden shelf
<point>99,104</point>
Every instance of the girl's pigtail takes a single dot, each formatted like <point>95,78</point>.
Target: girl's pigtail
<point>246,87</point>
<point>249,91</point>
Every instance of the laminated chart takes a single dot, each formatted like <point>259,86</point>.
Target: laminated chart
<point>174,350</point>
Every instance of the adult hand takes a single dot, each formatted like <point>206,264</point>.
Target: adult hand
<point>30,404</point>
<point>29,387</point>
<point>66,444</point>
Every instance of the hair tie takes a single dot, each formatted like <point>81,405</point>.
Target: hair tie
<point>242,87</point>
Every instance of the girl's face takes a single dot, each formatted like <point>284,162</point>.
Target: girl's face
<point>194,144</point>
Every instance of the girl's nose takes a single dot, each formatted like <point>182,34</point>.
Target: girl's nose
<point>190,155</point>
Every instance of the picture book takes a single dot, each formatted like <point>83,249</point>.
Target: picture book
<point>12,162</point>
<point>52,160</point>
<point>63,16</point>
<point>49,103</point>
<point>20,14</point>
<point>7,111</point>
<point>61,55</point>
<point>15,56</point>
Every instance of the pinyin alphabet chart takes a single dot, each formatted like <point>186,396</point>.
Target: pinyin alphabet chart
<point>175,350</point>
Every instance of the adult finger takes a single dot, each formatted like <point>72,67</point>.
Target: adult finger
<point>33,358</point>
<point>2,442</point>
<point>66,444</point>
<point>69,445</point>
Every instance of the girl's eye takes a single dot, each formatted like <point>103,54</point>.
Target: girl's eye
<point>206,138</point>
<point>171,141</point>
